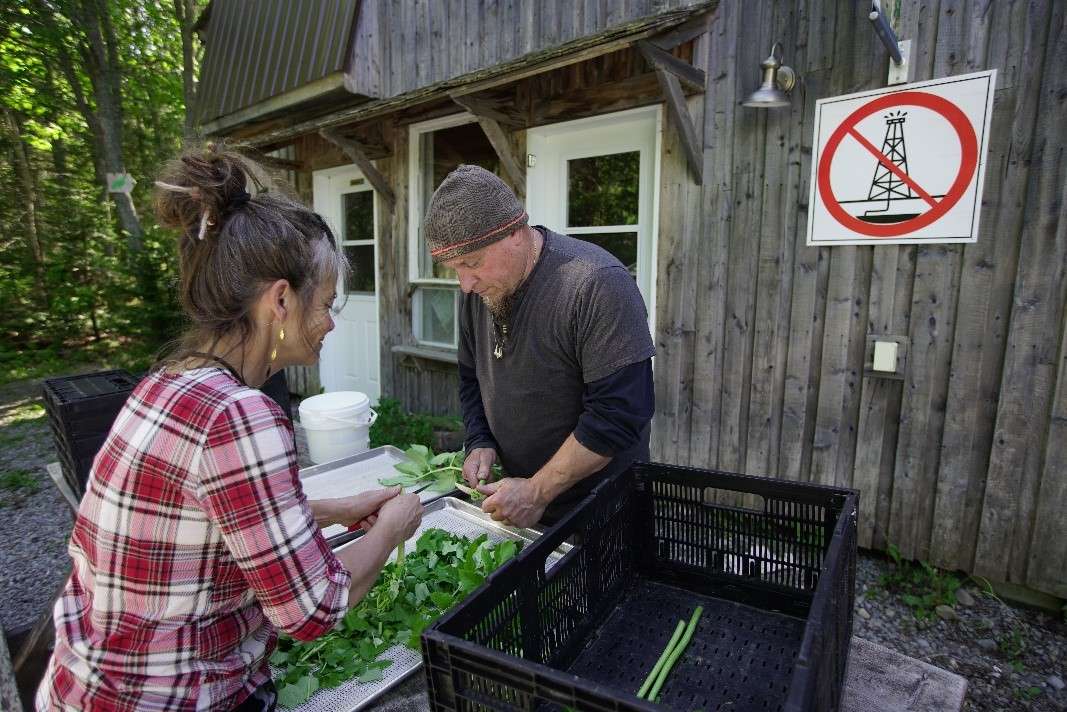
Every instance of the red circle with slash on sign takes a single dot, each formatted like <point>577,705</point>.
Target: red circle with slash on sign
<point>968,163</point>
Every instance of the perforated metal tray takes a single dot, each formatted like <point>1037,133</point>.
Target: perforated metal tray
<point>452,515</point>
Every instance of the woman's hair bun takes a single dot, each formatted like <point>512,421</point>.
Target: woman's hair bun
<point>195,190</point>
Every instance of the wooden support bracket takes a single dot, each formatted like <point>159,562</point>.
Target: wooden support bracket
<point>358,155</point>
<point>683,70</point>
<point>683,121</point>
<point>490,123</point>
<point>671,71</point>
<point>690,29</point>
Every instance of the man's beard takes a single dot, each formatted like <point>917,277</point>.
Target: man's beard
<point>499,307</point>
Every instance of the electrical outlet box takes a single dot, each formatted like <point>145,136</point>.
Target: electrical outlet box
<point>885,356</point>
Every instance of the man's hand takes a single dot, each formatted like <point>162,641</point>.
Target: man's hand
<point>478,465</point>
<point>513,500</point>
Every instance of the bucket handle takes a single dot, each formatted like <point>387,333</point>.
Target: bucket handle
<point>371,421</point>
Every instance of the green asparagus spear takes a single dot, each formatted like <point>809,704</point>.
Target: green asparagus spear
<point>676,653</point>
<point>662,659</point>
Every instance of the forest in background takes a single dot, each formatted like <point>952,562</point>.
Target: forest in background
<point>89,88</point>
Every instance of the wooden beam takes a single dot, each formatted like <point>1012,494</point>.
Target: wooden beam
<point>481,106</point>
<point>640,90</point>
<point>284,164</point>
<point>355,152</point>
<point>684,32</point>
<point>659,58</point>
<point>683,121</point>
<point>499,140</point>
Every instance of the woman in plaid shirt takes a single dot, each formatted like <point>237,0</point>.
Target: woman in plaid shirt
<point>194,542</point>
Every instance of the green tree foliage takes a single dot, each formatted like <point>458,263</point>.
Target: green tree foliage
<point>83,275</point>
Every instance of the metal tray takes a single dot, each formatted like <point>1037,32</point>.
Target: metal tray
<point>352,475</point>
<point>452,515</point>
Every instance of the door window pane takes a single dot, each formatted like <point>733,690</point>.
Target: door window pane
<point>438,322</point>
<point>441,152</point>
<point>361,268</point>
<point>603,190</point>
<point>621,244</point>
<point>359,215</point>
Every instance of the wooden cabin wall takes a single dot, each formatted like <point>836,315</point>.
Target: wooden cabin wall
<point>761,339</point>
<point>422,42</point>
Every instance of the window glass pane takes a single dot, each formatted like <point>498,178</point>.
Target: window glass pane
<point>361,268</point>
<point>621,244</point>
<point>441,152</point>
<point>602,190</point>
<point>438,315</point>
<point>359,215</point>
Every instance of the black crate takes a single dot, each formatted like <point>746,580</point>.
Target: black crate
<point>772,562</point>
<point>81,410</point>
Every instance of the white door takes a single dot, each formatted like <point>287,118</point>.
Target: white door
<point>350,355</point>
<point>596,179</point>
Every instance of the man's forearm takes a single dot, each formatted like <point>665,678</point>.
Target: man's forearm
<point>572,463</point>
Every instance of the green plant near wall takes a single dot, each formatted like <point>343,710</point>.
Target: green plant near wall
<point>921,587</point>
<point>396,426</point>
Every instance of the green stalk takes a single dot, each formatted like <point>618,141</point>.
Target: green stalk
<point>400,555</point>
<point>676,653</point>
<point>662,659</point>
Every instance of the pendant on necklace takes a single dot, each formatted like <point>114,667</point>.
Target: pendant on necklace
<point>498,351</point>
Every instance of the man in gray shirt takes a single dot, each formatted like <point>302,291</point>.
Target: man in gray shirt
<point>554,354</point>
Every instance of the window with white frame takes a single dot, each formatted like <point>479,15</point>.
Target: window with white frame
<point>436,148</point>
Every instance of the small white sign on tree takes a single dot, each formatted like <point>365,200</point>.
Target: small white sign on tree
<point>903,164</point>
<point>120,182</point>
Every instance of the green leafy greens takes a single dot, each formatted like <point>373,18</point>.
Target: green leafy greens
<point>409,595</point>
<point>443,471</point>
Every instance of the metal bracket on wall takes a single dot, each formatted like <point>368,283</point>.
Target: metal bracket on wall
<point>900,73</point>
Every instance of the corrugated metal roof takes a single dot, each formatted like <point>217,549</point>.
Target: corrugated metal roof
<point>258,49</point>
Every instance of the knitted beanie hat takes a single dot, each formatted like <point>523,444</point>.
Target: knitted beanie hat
<point>472,208</point>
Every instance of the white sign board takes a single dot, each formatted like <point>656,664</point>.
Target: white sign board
<point>903,164</point>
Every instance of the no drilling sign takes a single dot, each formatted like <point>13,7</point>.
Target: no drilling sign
<point>903,165</point>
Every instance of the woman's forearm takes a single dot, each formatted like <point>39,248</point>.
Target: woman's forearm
<point>325,511</point>
<point>364,559</point>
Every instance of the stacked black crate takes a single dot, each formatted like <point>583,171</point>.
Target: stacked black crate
<point>81,410</point>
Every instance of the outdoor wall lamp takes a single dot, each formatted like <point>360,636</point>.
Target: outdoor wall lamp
<point>777,80</point>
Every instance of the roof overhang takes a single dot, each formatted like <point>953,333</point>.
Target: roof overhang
<point>691,19</point>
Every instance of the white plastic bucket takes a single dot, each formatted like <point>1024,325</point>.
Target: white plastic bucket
<point>337,424</point>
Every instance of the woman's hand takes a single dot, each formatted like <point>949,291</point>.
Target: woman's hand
<point>400,517</point>
<point>359,508</point>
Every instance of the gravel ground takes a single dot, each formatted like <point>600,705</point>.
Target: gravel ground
<point>35,520</point>
<point>1013,659</point>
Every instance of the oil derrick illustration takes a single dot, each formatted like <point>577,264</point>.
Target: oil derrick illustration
<point>896,200</point>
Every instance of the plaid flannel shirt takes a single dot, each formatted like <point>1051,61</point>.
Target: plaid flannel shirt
<point>193,543</point>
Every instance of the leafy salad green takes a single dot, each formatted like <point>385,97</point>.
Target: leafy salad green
<point>410,593</point>
<point>443,472</point>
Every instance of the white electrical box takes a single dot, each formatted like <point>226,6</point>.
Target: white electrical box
<point>885,356</point>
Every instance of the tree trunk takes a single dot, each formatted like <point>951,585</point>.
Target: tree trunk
<point>102,66</point>
<point>28,198</point>
<point>185,11</point>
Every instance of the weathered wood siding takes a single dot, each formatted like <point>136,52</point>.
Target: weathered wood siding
<point>416,43</point>
<point>762,340</point>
